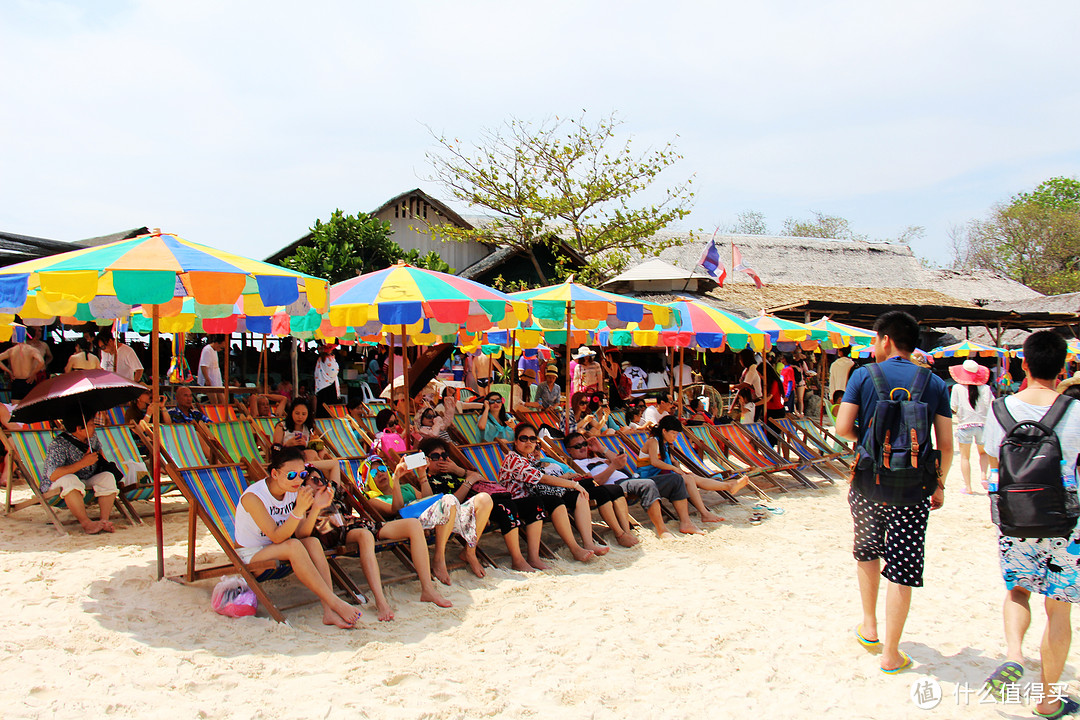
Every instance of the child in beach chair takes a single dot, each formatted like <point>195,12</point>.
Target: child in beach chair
<point>657,451</point>
<point>405,518</point>
<point>525,472</point>
<point>274,521</point>
<point>337,526</point>
<point>297,429</point>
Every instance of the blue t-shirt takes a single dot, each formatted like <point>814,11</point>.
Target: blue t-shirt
<point>899,373</point>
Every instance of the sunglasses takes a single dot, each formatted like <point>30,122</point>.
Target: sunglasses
<point>315,479</point>
<point>526,438</point>
<point>578,446</point>
<point>292,475</point>
<point>495,400</point>
<point>436,456</point>
<point>376,469</point>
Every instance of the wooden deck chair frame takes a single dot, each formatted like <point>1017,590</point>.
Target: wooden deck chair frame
<point>708,446</point>
<point>798,440</point>
<point>759,434</point>
<point>633,441</point>
<point>118,444</point>
<point>736,442</point>
<point>788,446</point>
<point>825,439</point>
<point>199,512</point>
<point>49,500</point>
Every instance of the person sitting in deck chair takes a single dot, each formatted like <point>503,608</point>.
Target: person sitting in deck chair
<point>73,463</point>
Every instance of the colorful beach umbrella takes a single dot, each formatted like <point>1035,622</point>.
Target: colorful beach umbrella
<point>868,352</point>
<point>842,334</point>
<point>708,328</point>
<point>784,331</point>
<point>158,271</point>
<point>967,348</point>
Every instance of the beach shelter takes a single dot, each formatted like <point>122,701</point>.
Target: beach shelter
<point>575,306</point>
<point>709,328</point>
<point>842,334</point>
<point>789,331</point>
<point>417,305</point>
<point>967,348</point>
<point>158,271</point>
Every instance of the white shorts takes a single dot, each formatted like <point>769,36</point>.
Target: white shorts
<point>246,553</point>
<point>103,483</point>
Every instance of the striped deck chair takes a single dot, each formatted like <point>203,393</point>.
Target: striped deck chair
<point>345,442</point>
<point>118,445</point>
<point>367,424</point>
<point>236,441</point>
<point>824,439</point>
<point>220,413</point>
<point>714,455</point>
<point>338,411</point>
<point>264,431</point>
<point>466,427</point>
<point>792,437</point>
<point>112,416</point>
<point>748,451</point>
<point>213,494</point>
<point>27,449</point>
<point>618,417</point>
<point>761,436</point>
<point>538,418</point>
<point>44,425</point>
<point>634,441</point>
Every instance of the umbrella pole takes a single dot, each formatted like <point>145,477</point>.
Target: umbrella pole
<point>264,367</point>
<point>681,360</point>
<point>764,389</point>
<point>295,361</point>
<point>228,343</point>
<point>566,417</point>
<point>407,423</point>
<point>821,384</point>
<point>513,369</point>
<point>155,398</point>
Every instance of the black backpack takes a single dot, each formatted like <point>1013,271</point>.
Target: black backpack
<point>897,463</point>
<point>1031,500</point>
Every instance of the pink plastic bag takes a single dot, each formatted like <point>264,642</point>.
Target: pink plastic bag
<point>232,597</point>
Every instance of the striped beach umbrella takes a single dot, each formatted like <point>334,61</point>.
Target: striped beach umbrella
<point>709,328</point>
<point>967,348</point>
<point>780,330</point>
<point>842,334</point>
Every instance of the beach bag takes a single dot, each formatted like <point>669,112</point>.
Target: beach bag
<point>416,509</point>
<point>1031,500</point>
<point>233,598</point>
<point>897,464</point>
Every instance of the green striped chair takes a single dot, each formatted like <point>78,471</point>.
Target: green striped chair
<point>28,448</point>
<point>465,425</point>
<point>236,441</point>
<point>181,446</point>
<point>119,446</point>
<point>345,442</point>
<point>213,494</point>
<point>824,439</point>
<point>790,437</point>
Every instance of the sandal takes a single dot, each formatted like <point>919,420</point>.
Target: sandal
<point>756,518</point>
<point>906,662</point>
<point>1068,707</point>
<point>769,508</point>
<point>1007,673</point>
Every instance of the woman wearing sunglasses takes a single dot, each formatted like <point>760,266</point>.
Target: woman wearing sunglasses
<point>389,434</point>
<point>494,422</point>
<point>388,497</point>
<point>521,473</point>
<point>271,515</point>
<point>430,424</point>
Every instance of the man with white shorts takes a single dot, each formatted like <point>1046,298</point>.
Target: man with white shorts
<point>73,466</point>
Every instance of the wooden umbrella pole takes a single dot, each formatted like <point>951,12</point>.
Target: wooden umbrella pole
<point>228,344</point>
<point>821,384</point>
<point>155,399</point>
<point>407,423</point>
<point>513,369</point>
<point>264,366</point>
<point>764,389</point>
<point>566,387</point>
<point>681,360</point>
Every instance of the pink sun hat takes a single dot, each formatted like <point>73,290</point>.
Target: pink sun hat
<point>970,373</point>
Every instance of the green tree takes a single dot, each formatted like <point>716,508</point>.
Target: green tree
<point>349,245</point>
<point>837,228</point>
<point>750,222</point>
<point>1061,193</point>
<point>563,179</point>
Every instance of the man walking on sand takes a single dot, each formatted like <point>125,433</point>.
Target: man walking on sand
<point>893,525</point>
<point>1049,566</point>
<point>24,362</point>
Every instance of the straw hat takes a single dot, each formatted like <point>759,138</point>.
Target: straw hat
<point>583,352</point>
<point>970,373</point>
<point>1069,382</point>
<point>552,370</point>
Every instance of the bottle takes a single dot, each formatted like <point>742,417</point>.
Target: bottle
<point>992,486</point>
<point>1068,479</point>
<point>993,483</point>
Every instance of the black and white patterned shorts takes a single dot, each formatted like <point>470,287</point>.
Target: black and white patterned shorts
<point>896,533</point>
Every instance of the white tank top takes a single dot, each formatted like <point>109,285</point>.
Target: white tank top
<point>246,532</point>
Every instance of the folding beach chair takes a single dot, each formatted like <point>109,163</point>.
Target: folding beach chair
<point>618,417</point>
<point>112,416</point>
<point>682,454</point>
<point>220,413</point>
<point>714,456</point>
<point>736,442</point>
<point>236,441</point>
<point>761,437</point>
<point>465,426</point>
<point>213,494</point>
<point>789,435</point>
<point>337,411</point>
<point>824,439</point>
<point>345,441</point>
<point>118,445</point>
<point>539,418</point>
<point>263,428</point>
<point>27,449</point>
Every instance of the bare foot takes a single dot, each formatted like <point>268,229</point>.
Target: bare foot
<point>691,529</point>
<point>539,564</point>
<point>470,559</point>
<point>582,555</point>
<point>627,539</point>
<point>522,566</point>
<point>598,550</point>
<point>332,618</point>
<point>386,613</point>
<point>664,534</point>
<point>737,484</point>
<point>93,527</point>
<point>440,573</point>
<point>434,597</point>
<point>708,517</point>
<point>346,612</point>
<point>107,526</point>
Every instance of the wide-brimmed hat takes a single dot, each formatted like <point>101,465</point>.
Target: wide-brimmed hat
<point>970,373</point>
<point>1069,382</point>
<point>552,370</point>
<point>583,352</point>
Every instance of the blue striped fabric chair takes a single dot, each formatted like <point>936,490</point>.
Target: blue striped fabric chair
<point>764,442</point>
<point>789,436</point>
<point>119,446</point>
<point>466,426</point>
<point>823,439</point>
<point>113,416</point>
<point>181,446</point>
<point>235,441</point>
<point>485,458</point>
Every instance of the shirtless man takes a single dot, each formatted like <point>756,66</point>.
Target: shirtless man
<point>23,363</point>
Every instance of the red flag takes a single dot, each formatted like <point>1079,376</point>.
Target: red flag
<point>737,261</point>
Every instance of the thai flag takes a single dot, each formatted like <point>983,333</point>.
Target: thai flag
<point>740,264</point>
<point>710,262</point>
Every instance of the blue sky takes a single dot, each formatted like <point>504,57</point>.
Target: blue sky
<point>236,124</point>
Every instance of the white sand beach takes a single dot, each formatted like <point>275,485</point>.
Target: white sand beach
<point>743,621</point>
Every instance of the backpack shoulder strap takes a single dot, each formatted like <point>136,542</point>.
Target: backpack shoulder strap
<point>1057,411</point>
<point>879,381</point>
<point>918,385</point>
<point>1004,417</point>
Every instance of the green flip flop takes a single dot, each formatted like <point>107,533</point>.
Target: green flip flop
<point>1007,673</point>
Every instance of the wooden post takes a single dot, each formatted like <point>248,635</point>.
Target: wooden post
<point>566,387</point>
<point>225,375</point>
<point>295,361</point>
<point>681,360</point>
<point>513,370</point>
<point>155,398</point>
<point>264,366</point>
<point>406,386</point>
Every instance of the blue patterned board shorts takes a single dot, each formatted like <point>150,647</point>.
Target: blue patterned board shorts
<point>1047,566</point>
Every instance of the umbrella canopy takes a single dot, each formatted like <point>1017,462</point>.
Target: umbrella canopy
<point>842,334</point>
<point>780,330</point>
<point>1072,345</point>
<point>706,327</point>
<point>868,352</point>
<point>968,348</point>
<point>423,301</point>
<point>89,391</point>
<point>588,308</point>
